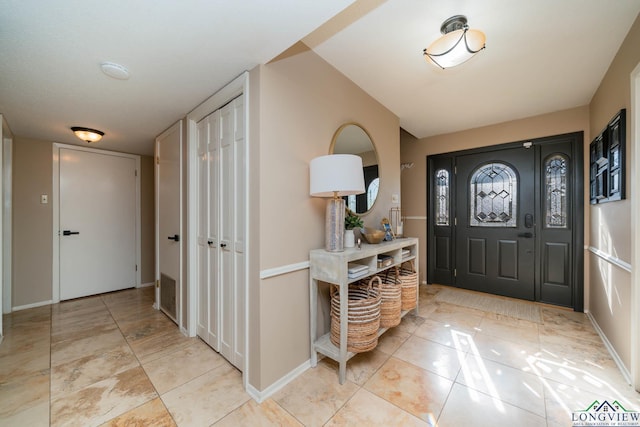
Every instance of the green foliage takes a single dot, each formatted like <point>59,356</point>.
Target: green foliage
<point>351,220</point>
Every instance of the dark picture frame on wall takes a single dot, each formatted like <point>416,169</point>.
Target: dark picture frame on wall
<point>607,162</point>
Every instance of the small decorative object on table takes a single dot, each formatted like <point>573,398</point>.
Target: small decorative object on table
<point>388,236</point>
<point>371,235</point>
<point>396,221</point>
<point>351,221</point>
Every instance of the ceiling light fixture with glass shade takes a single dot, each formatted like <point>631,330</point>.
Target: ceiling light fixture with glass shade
<point>458,43</point>
<point>87,134</point>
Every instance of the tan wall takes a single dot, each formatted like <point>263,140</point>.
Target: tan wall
<point>414,191</point>
<point>610,286</point>
<point>147,220</point>
<point>33,221</point>
<point>303,101</point>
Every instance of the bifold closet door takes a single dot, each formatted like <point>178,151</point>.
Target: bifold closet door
<point>208,323</point>
<point>221,235</point>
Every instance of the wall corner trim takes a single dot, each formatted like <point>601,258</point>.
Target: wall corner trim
<point>623,369</point>
<point>261,396</point>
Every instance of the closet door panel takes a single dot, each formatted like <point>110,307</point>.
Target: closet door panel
<point>240,184</point>
<point>213,150</point>
<point>226,222</point>
<point>203,230</point>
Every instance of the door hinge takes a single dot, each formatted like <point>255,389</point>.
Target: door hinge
<point>136,267</point>
<point>455,272</point>
<point>455,221</point>
<point>136,172</point>
<point>157,160</point>
<point>157,283</point>
<point>455,170</point>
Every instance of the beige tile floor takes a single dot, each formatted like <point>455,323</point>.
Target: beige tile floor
<point>114,360</point>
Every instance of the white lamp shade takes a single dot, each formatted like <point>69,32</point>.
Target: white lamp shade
<point>336,173</point>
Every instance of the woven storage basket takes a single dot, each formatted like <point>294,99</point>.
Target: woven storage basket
<point>363,316</point>
<point>391,305</point>
<point>409,278</point>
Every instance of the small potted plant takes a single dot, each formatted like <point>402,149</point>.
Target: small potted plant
<point>351,221</point>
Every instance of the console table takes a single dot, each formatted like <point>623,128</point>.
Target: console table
<point>331,267</point>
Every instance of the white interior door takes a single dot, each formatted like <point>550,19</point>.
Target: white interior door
<point>97,223</point>
<point>169,220</point>
<point>226,218</point>
<point>221,231</point>
<point>239,230</point>
<point>208,324</point>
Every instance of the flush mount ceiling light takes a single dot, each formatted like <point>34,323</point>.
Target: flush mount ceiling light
<point>86,134</point>
<point>114,70</point>
<point>458,43</point>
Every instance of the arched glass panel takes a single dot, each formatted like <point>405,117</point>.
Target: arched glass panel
<point>555,183</point>
<point>493,196</point>
<point>442,197</point>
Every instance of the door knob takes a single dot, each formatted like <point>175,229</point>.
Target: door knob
<point>69,232</point>
<point>175,238</point>
<point>209,242</point>
<point>223,245</point>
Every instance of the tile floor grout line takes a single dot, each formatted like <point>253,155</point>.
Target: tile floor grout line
<point>143,370</point>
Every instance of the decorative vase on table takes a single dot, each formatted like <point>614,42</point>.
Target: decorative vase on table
<point>349,238</point>
<point>351,221</point>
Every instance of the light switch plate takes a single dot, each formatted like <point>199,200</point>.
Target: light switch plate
<point>44,199</point>
<point>395,198</point>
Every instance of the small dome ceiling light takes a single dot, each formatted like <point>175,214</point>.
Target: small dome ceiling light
<point>87,134</point>
<point>114,70</point>
<point>458,43</point>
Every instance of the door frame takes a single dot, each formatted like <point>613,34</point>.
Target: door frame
<point>239,86</point>
<point>55,201</point>
<point>6,232</point>
<point>577,201</point>
<point>635,229</point>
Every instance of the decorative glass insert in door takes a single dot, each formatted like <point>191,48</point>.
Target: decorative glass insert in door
<point>442,197</point>
<point>555,183</point>
<point>493,196</point>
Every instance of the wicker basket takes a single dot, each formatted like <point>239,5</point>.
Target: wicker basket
<point>363,316</point>
<point>391,305</point>
<point>409,279</point>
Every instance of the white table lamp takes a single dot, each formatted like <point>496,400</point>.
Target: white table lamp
<point>334,176</point>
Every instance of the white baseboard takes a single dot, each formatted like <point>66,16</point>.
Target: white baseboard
<point>261,396</point>
<point>146,285</point>
<point>34,305</point>
<point>623,369</point>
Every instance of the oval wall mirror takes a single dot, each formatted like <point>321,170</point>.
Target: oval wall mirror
<point>351,138</point>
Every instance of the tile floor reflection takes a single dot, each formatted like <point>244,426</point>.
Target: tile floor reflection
<point>112,360</point>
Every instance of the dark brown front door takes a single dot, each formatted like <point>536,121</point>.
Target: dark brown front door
<point>495,242</point>
<point>508,220</point>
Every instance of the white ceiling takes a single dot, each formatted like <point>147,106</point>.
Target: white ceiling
<point>541,56</point>
<point>178,52</point>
